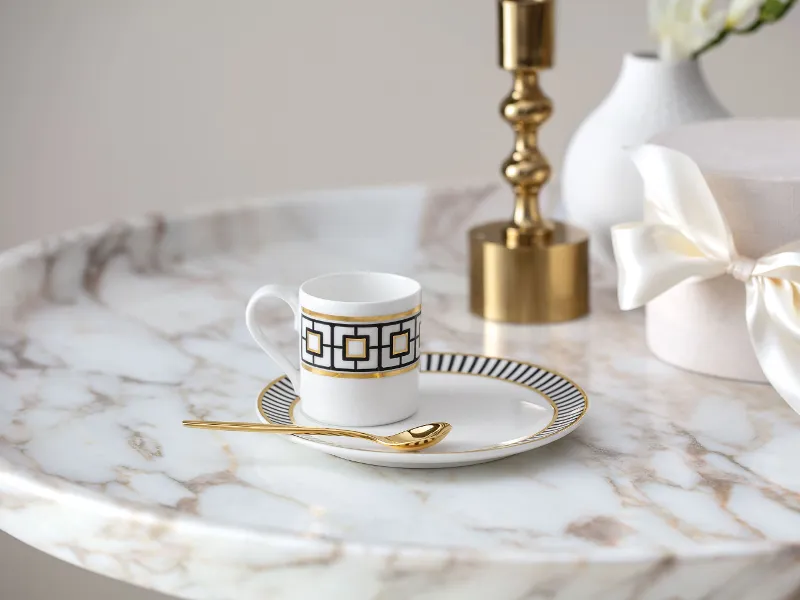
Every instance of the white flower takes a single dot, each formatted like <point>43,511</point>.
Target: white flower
<point>685,26</point>
<point>741,11</point>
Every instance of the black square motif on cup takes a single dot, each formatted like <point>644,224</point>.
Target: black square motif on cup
<point>356,347</point>
<point>313,342</point>
<point>400,344</point>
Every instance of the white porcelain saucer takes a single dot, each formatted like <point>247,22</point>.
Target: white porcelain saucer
<point>497,407</point>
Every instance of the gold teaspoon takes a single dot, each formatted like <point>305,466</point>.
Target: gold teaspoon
<point>409,440</point>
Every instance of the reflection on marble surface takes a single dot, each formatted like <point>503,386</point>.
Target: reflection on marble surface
<point>677,485</point>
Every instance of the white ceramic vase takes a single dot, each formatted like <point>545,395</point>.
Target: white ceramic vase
<point>599,185</point>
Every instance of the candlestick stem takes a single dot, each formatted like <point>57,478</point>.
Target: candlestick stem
<point>527,170</point>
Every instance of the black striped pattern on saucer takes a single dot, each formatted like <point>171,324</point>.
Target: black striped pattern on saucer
<point>569,400</point>
<point>276,400</point>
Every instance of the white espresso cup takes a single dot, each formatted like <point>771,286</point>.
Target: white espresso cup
<point>359,346</point>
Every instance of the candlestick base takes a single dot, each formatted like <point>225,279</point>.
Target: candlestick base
<point>546,281</point>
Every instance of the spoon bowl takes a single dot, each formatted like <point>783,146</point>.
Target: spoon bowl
<point>416,438</point>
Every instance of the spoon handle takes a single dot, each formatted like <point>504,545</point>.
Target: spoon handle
<point>263,428</point>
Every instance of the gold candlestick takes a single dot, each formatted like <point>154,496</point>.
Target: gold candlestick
<point>527,270</point>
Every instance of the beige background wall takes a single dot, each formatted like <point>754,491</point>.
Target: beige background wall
<point>111,107</point>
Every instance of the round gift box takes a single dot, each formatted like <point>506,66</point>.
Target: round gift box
<point>753,169</point>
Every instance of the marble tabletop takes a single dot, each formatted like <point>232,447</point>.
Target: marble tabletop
<point>676,486</point>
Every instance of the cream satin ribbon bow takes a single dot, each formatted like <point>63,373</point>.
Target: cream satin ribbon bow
<point>689,239</point>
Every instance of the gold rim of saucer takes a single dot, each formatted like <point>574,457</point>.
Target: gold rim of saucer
<point>535,437</point>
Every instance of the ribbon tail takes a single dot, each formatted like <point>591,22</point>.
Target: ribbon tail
<point>652,258</point>
<point>773,319</point>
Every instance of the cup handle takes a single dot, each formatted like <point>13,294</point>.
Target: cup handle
<point>289,296</point>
